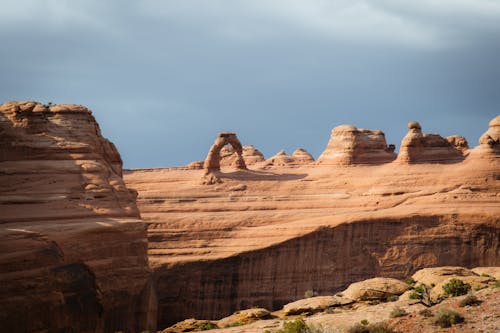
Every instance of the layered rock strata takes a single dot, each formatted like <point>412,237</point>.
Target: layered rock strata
<point>313,227</point>
<point>250,155</point>
<point>351,145</point>
<point>73,249</point>
<point>418,147</point>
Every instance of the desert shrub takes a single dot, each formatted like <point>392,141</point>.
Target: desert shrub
<point>339,294</point>
<point>469,300</point>
<point>310,293</point>
<point>392,298</point>
<point>409,280</point>
<point>456,287</point>
<point>234,324</point>
<point>364,322</point>
<point>496,284</point>
<point>206,327</point>
<point>447,317</point>
<point>372,328</point>
<point>296,326</point>
<point>417,292</point>
<point>398,312</point>
<point>426,313</point>
<point>485,275</point>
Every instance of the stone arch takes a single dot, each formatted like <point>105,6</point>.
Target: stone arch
<point>212,162</point>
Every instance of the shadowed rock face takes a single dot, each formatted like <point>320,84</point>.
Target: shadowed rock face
<point>418,147</point>
<point>72,246</point>
<point>350,145</point>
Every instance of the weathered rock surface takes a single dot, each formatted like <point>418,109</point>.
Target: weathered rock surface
<point>375,289</point>
<point>317,227</point>
<point>418,147</point>
<point>250,154</point>
<point>299,157</point>
<point>315,304</point>
<point>243,317</point>
<point>351,145</point>
<point>73,249</point>
<point>212,162</point>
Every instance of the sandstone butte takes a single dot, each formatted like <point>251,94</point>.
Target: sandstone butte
<point>229,233</point>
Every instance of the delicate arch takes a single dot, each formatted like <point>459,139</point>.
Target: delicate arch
<point>212,162</point>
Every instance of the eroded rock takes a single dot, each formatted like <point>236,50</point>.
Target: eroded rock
<point>351,145</point>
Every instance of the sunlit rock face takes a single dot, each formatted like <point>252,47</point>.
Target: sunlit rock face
<point>73,249</point>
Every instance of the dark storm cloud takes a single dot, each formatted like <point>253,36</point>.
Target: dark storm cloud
<point>162,77</point>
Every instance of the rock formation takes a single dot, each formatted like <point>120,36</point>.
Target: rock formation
<point>212,162</point>
<point>418,147</point>
<point>73,249</point>
<point>302,156</point>
<point>299,157</point>
<point>250,154</point>
<point>489,142</point>
<point>318,227</point>
<point>351,145</point>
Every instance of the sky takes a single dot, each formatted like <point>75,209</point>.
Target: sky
<point>163,77</point>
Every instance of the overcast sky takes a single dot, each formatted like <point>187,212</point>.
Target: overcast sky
<point>162,77</point>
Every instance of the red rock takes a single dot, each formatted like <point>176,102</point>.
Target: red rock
<point>72,249</point>
<point>418,147</point>
<point>350,145</point>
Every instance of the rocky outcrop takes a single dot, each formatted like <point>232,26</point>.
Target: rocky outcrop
<point>299,157</point>
<point>287,230</point>
<point>250,154</point>
<point>212,162</point>
<point>489,142</point>
<point>375,289</point>
<point>351,145</point>
<point>418,147</point>
<point>302,156</point>
<point>73,249</point>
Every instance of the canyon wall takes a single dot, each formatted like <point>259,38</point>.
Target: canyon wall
<point>73,250</point>
<point>264,236</point>
<point>326,261</point>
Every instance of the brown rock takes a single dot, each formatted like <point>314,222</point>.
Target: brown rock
<point>488,271</point>
<point>435,275</point>
<point>489,142</point>
<point>190,325</point>
<point>212,162</point>
<point>302,156</point>
<point>250,155</point>
<point>459,142</point>
<point>196,165</point>
<point>315,304</point>
<point>418,147</point>
<point>350,145</point>
<point>244,317</point>
<point>72,246</point>
<point>375,289</point>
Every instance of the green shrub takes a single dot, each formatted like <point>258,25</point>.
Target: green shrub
<point>410,281</point>
<point>206,327</point>
<point>296,326</point>
<point>234,324</point>
<point>496,284</point>
<point>456,287</point>
<point>392,298</point>
<point>310,293</point>
<point>447,317</point>
<point>485,275</point>
<point>372,328</point>
<point>364,322</point>
<point>398,312</point>
<point>469,300</point>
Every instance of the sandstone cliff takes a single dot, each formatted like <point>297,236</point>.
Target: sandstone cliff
<point>317,227</point>
<point>73,249</point>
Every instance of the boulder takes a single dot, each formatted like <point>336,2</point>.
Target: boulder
<point>351,145</point>
<point>244,317</point>
<point>434,275</point>
<point>375,289</point>
<point>315,304</point>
